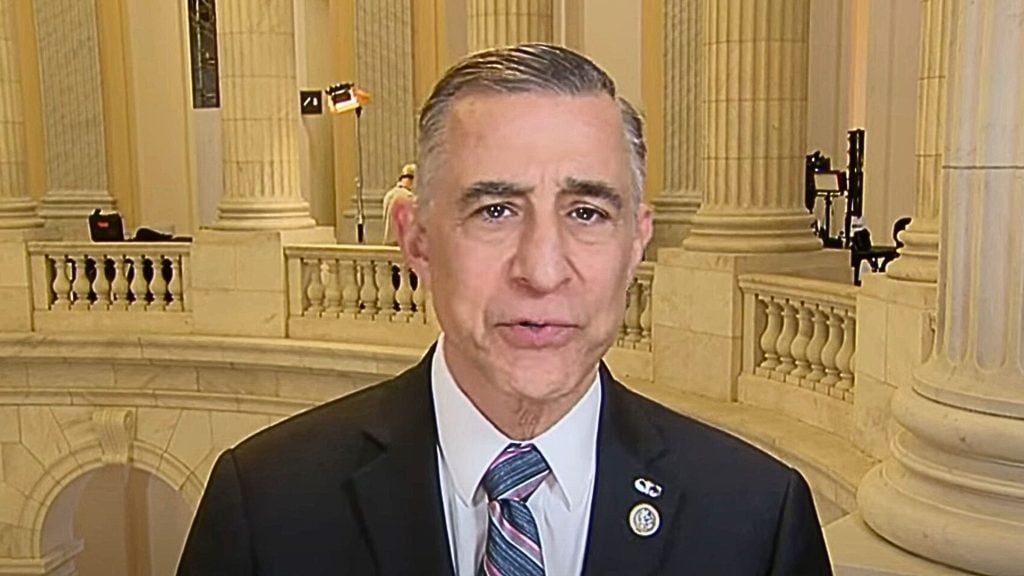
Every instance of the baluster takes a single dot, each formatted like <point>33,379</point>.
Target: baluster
<point>158,285</point>
<point>61,282</point>
<point>368,293</point>
<point>101,284</point>
<point>138,282</point>
<point>350,292</point>
<point>332,290</point>
<point>785,342</point>
<point>419,300</point>
<point>799,347</point>
<point>848,394</point>
<point>816,345</point>
<point>80,286</point>
<point>176,267</point>
<point>829,352</point>
<point>405,296</point>
<point>385,289</point>
<point>772,329</point>
<point>645,316</point>
<point>844,358</point>
<point>119,286</point>
<point>632,317</point>
<point>314,287</point>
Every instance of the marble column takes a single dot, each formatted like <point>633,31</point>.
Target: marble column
<point>680,197</point>
<point>72,99</point>
<point>953,490</point>
<point>494,23</point>
<point>755,106</point>
<point>17,210</point>
<point>384,68</point>
<point>919,256</point>
<point>259,117</point>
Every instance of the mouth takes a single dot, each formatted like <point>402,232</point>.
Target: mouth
<point>537,333</point>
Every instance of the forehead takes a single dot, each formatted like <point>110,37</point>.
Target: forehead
<point>522,135</point>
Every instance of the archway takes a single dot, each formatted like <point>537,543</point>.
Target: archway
<point>130,522</point>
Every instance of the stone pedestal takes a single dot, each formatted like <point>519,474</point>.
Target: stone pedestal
<point>239,283</point>
<point>857,551</point>
<point>895,332</point>
<point>698,312</point>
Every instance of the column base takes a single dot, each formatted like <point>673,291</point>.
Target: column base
<point>269,216</point>
<point>895,336</point>
<point>857,551</point>
<point>752,232</point>
<point>19,214</point>
<point>953,491</point>
<point>67,211</point>
<point>673,219</point>
<point>919,257</point>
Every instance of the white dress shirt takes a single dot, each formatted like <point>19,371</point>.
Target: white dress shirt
<point>468,443</point>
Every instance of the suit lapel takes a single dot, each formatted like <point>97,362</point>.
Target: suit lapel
<point>397,494</point>
<point>628,447</point>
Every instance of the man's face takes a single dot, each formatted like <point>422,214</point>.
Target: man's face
<point>530,240</point>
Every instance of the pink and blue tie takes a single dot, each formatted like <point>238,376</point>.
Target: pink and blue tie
<point>513,542</point>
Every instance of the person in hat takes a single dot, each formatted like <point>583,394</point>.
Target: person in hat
<point>403,191</point>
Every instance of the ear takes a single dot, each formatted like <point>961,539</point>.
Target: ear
<point>644,231</point>
<point>410,228</point>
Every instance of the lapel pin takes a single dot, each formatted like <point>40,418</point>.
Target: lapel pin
<point>647,488</point>
<point>644,519</point>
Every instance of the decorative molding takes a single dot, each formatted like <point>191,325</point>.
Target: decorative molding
<point>115,429</point>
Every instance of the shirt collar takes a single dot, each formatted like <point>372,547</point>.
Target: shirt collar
<point>569,446</point>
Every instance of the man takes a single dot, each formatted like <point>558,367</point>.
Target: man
<point>402,191</point>
<point>510,449</point>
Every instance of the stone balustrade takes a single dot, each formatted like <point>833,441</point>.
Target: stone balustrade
<point>799,348</point>
<point>804,332</point>
<point>636,325</point>
<point>82,285</point>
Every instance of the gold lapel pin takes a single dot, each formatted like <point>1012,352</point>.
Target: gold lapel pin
<point>644,519</point>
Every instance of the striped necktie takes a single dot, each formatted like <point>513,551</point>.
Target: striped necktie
<point>513,542</point>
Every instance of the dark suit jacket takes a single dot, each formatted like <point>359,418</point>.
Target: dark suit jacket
<point>351,487</point>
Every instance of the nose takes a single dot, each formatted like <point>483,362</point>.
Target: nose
<point>541,262</point>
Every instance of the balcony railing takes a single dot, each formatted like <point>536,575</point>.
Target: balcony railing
<point>636,325</point>
<point>80,285</point>
<point>804,332</point>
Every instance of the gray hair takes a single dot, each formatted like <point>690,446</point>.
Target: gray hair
<point>526,68</point>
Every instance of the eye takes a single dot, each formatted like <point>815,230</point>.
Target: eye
<point>496,211</point>
<point>588,214</point>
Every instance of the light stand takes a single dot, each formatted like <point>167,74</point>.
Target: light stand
<point>342,98</point>
<point>360,210</point>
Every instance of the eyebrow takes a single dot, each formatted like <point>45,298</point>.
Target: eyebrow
<point>493,189</point>
<point>576,187</point>
<point>593,189</point>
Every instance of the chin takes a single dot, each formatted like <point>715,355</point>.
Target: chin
<point>548,374</point>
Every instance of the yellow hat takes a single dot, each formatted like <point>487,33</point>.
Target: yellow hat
<point>408,170</point>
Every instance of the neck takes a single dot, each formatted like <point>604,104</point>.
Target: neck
<point>519,417</point>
